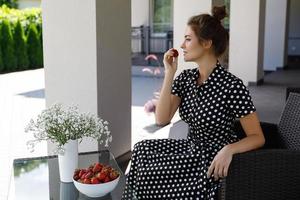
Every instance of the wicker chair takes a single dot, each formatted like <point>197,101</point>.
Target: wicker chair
<point>272,172</point>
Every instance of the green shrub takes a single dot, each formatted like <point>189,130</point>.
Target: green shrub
<point>19,29</point>
<point>1,60</point>
<point>7,43</point>
<point>35,53</point>
<point>9,3</point>
<point>20,47</point>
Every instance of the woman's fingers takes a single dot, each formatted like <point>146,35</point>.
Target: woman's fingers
<point>225,171</point>
<point>216,172</point>
<point>220,172</point>
<point>210,169</point>
<point>170,54</point>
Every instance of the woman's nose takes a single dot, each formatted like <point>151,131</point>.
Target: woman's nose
<point>182,45</point>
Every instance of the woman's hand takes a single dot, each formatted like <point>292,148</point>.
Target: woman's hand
<point>170,62</point>
<point>220,164</point>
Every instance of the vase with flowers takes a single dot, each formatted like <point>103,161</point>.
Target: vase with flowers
<point>65,127</point>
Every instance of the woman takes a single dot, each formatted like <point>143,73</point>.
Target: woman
<point>209,100</point>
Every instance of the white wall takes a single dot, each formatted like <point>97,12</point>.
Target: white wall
<point>70,61</point>
<point>28,3</point>
<point>246,39</point>
<point>140,12</point>
<point>183,10</point>
<point>275,34</point>
<point>87,59</point>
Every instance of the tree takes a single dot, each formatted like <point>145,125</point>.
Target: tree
<point>20,47</point>
<point>35,52</point>
<point>1,59</point>
<point>9,3</point>
<point>7,43</point>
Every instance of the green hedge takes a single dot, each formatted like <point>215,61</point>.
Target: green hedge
<point>9,3</point>
<point>20,39</point>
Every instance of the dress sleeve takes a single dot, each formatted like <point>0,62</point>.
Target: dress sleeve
<point>178,84</point>
<point>240,101</point>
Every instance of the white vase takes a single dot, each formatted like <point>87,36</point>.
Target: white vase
<point>68,161</point>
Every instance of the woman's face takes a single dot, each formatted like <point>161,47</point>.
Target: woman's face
<point>192,49</point>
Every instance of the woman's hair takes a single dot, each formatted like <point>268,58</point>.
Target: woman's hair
<point>209,27</point>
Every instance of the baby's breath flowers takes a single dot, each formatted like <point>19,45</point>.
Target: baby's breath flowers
<point>59,125</point>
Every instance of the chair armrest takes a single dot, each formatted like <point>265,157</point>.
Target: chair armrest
<point>263,174</point>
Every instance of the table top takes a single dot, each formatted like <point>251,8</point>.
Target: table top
<point>38,178</point>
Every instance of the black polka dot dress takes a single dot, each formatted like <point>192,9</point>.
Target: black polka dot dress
<point>177,169</point>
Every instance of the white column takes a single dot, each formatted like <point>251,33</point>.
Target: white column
<point>275,34</point>
<point>140,10</point>
<point>87,62</point>
<point>246,43</point>
<point>183,10</point>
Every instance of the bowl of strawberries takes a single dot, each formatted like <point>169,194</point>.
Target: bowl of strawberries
<point>97,180</point>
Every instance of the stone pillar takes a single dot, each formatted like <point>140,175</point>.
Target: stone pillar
<point>246,43</point>
<point>275,34</point>
<point>87,59</point>
<point>183,10</point>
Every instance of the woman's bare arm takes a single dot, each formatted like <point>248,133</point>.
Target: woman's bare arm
<point>255,137</point>
<point>167,103</point>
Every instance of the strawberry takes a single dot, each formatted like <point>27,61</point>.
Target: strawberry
<point>94,180</point>
<point>113,175</point>
<point>105,170</point>
<point>107,179</point>
<point>76,177</point>
<point>97,168</point>
<point>101,176</point>
<point>88,175</point>
<point>76,172</point>
<point>81,173</point>
<point>175,53</point>
<point>87,181</point>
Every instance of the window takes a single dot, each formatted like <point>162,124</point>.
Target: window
<point>162,14</point>
<point>226,19</point>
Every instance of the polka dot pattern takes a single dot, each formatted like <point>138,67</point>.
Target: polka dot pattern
<point>176,169</point>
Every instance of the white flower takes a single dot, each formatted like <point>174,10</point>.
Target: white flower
<point>59,124</point>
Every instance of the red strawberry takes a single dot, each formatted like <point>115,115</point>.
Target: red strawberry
<point>87,181</point>
<point>107,179</point>
<point>101,176</point>
<point>81,173</point>
<point>94,180</point>
<point>76,172</point>
<point>88,175</point>
<point>76,177</point>
<point>106,170</point>
<point>113,175</point>
<point>97,168</point>
<point>175,53</point>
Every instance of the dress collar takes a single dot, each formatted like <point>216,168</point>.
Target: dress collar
<point>217,69</point>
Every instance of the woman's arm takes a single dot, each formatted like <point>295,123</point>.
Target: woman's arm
<point>255,139</point>
<point>167,103</point>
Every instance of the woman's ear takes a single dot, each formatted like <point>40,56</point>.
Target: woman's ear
<point>206,44</point>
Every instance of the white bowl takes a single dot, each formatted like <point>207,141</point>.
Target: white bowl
<point>96,190</point>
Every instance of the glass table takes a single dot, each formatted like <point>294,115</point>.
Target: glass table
<point>38,178</point>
